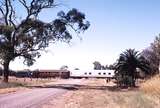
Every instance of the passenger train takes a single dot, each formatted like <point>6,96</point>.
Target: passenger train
<point>65,73</point>
<point>92,73</point>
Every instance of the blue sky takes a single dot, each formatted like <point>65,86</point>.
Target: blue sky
<point>116,25</point>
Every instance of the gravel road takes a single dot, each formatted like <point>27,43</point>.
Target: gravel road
<point>33,98</point>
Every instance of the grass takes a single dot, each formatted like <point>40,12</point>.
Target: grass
<point>96,93</point>
<point>107,97</point>
<point>151,88</point>
<point>16,84</point>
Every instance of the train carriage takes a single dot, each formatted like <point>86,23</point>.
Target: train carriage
<point>92,73</point>
<point>51,73</point>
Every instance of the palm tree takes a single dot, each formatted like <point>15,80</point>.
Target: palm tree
<point>127,65</point>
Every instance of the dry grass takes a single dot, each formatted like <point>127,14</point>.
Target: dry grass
<point>12,89</point>
<point>16,84</point>
<point>97,94</point>
<point>152,88</point>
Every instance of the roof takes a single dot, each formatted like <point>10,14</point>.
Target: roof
<point>53,71</point>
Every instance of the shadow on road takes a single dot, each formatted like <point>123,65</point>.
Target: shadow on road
<point>84,87</point>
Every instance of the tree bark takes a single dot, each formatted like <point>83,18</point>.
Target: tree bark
<point>159,68</point>
<point>5,72</point>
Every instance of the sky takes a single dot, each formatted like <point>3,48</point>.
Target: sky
<point>116,25</point>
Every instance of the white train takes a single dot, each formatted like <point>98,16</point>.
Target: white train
<point>92,73</point>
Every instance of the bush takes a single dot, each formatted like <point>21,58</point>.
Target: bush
<point>125,81</point>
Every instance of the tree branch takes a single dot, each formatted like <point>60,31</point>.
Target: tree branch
<point>1,8</point>
<point>23,2</point>
<point>11,14</point>
<point>7,11</point>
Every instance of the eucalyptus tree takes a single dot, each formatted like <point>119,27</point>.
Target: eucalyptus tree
<point>27,36</point>
<point>97,65</point>
<point>156,50</point>
<point>152,54</point>
<point>153,60</point>
<point>127,65</point>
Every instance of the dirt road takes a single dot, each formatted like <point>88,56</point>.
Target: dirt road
<point>34,98</point>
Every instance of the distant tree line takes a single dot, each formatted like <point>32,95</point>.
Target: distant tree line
<point>99,66</point>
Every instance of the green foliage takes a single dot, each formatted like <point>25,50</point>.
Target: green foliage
<point>28,37</point>
<point>127,64</point>
<point>32,35</point>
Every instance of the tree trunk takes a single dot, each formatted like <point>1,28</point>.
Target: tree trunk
<point>133,83</point>
<point>5,72</point>
<point>159,68</point>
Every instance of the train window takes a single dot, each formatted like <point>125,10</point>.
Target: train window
<point>99,73</point>
<point>109,73</point>
<point>90,73</point>
<point>104,73</point>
